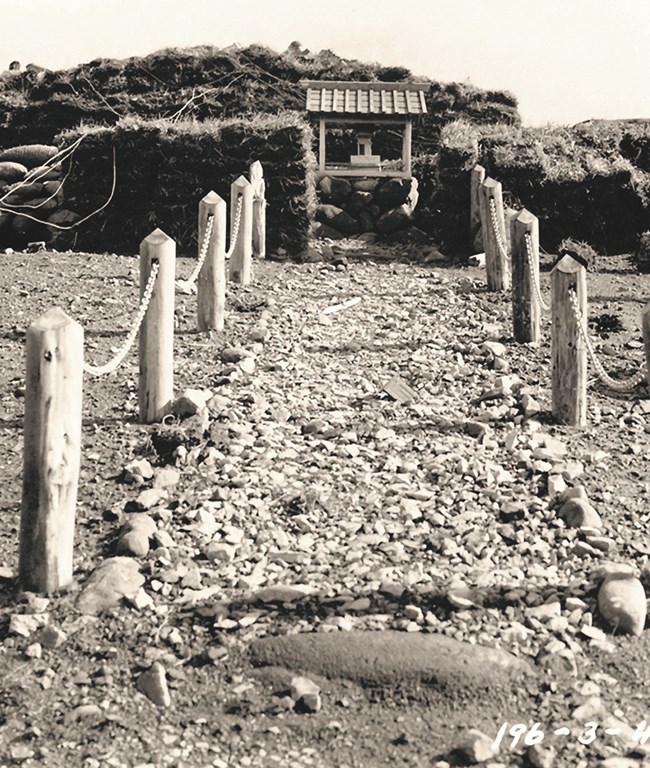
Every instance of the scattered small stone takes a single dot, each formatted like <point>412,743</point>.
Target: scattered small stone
<point>153,683</point>
<point>578,513</point>
<point>25,624</point>
<point>476,747</point>
<point>305,691</point>
<point>166,477</point>
<point>622,603</point>
<point>541,757</point>
<point>34,651</point>
<point>114,579</point>
<point>137,471</point>
<point>190,402</point>
<point>234,354</point>
<point>150,498</point>
<point>51,637</point>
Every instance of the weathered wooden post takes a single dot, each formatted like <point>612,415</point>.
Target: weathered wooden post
<point>156,385</point>
<point>52,451</point>
<point>509,214</point>
<point>525,306</point>
<point>477,176</point>
<point>497,265</point>
<point>259,210</point>
<point>645,324</point>
<point>240,260</point>
<point>568,350</point>
<point>211,282</point>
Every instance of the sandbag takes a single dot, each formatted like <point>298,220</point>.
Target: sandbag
<point>22,192</point>
<point>63,217</point>
<point>45,173</point>
<point>10,171</point>
<point>30,155</point>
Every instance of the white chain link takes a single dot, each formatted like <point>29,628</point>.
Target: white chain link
<point>235,226</point>
<point>617,384</point>
<point>113,364</point>
<point>534,276</point>
<point>497,231</point>
<point>204,249</point>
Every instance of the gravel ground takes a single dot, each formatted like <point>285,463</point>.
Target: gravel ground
<point>308,498</point>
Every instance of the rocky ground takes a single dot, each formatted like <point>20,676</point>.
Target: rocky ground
<point>375,455</point>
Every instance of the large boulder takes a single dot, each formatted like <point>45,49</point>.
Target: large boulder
<point>392,193</point>
<point>394,219</point>
<point>366,185</point>
<point>335,189</point>
<point>357,201</point>
<point>337,218</point>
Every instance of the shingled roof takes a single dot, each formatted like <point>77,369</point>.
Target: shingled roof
<point>365,98</point>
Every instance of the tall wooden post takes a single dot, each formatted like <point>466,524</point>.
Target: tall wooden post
<point>525,306</point>
<point>211,283</point>
<point>156,385</point>
<point>568,351</point>
<point>497,265</point>
<point>52,451</point>
<point>477,176</point>
<point>645,324</point>
<point>259,210</point>
<point>240,260</point>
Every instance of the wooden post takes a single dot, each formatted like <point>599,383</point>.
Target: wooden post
<point>156,385</point>
<point>497,264</point>
<point>322,133</point>
<point>211,283</point>
<point>645,324</point>
<point>477,176</point>
<point>509,214</point>
<point>240,260</point>
<point>407,140</point>
<point>525,306</point>
<point>259,210</point>
<point>52,451</point>
<point>568,352</point>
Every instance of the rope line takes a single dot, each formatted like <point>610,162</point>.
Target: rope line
<point>497,231</point>
<point>114,364</point>
<point>621,385</point>
<point>534,275</point>
<point>235,226</point>
<point>208,235</point>
<point>204,249</point>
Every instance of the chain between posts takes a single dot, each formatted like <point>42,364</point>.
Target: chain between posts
<point>114,364</point>
<point>497,231</point>
<point>621,385</point>
<point>534,277</point>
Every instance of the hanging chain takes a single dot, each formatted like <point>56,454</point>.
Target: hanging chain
<point>204,249</point>
<point>235,226</point>
<point>113,364</point>
<point>617,384</point>
<point>534,275</point>
<point>497,231</point>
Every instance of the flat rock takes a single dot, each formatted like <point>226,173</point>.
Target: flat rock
<point>391,657</point>
<point>153,683</point>
<point>114,579</point>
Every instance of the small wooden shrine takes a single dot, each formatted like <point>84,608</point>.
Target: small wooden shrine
<point>365,108</point>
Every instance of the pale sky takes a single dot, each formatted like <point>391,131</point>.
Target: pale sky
<point>565,60</point>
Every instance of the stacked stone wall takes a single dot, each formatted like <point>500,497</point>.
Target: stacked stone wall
<point>353,206</point>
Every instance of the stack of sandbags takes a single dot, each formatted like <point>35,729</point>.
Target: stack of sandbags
<point>30,183</point>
